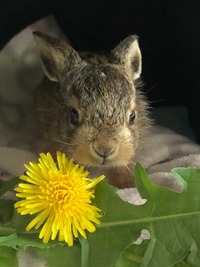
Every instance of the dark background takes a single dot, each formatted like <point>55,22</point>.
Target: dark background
<point>168,30</point>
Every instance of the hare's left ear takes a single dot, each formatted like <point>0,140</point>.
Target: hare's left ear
<point>128,55</point>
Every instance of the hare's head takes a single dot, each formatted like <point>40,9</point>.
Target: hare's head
<point>103,114</point>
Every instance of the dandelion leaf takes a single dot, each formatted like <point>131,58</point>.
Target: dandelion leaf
<point>8,257</point>
<point>7,185</point>
<point>61,256</point>
<point>173,220</point>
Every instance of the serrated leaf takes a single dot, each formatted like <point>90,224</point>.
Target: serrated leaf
<point>173,220</point>
<point>13,234</point>
<point>118,229</point>
<point>26,240</point>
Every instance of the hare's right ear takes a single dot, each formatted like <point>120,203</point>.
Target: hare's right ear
<point>57,56</point>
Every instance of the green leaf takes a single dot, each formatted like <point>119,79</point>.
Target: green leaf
<point>6,210</point>
<point>84,252</point>
<point>182,264</point>
<point>27,239</point>
<point>8,257</point>
<point>13,234</point>
<point>173,220</point>
<point>19,222</point>
<point>61,256</point>
<point>132,256</point>
<point>8,185</point>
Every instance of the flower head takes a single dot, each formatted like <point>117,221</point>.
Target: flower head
<point>61,194</point>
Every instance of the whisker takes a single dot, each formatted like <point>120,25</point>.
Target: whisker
<point>126,168</point>
<point>150,89</point>
<point>60,141</point>
<point>66,137</point>
<point>132,162</point>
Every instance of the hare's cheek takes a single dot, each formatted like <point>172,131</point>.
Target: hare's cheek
<point>82,154</point>
<point>127,146</point>
<point>126,152</point>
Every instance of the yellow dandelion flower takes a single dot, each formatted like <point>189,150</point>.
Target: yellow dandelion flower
<point>61,194</point>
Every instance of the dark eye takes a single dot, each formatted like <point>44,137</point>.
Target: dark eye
<point>74,116</point>
<point>131,117</point>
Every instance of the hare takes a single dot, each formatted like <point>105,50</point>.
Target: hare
<point>91,107</point>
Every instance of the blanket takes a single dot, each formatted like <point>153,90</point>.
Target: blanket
<point>20,73</point>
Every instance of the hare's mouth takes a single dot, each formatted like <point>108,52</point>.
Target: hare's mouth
<point>101,155</point>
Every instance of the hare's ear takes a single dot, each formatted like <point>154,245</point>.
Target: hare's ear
<point>128,55</point>
<point>57,56</point>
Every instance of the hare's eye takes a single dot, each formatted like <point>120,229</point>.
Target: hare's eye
<point>74,116</point>
<point>131,117</point>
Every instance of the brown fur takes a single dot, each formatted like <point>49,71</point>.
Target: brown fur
<point>104,90</point>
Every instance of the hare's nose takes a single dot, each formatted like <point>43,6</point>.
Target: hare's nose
<point>104,151</point>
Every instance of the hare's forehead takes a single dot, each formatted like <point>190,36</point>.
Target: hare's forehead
<point>105,108</point>
<point>103,87</point>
